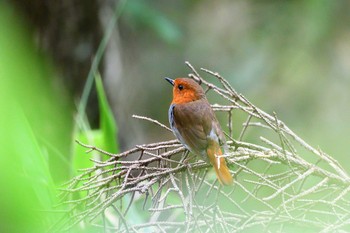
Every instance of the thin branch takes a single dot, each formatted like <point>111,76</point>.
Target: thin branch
<point>151,120</point>
<point>276,183</point>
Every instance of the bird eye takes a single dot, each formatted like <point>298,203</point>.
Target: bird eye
<point>180,87</point>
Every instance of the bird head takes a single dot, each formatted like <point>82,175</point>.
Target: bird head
<point>185,90</point>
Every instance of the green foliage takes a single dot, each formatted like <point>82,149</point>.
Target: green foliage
<point>107,122</point>
<point>104,137</point>
<point>36,131</point>
<point>35,128</point>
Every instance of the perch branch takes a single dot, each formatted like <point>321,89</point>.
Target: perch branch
<point>274,174</point>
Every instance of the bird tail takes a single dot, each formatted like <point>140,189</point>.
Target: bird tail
<point>222,171</point>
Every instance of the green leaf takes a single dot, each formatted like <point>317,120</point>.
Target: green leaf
<point>107,122</point>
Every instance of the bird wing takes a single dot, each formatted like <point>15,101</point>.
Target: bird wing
<point>196,126</point>
<point>193,123</point>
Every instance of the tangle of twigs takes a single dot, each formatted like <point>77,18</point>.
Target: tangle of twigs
<point>281,182</point>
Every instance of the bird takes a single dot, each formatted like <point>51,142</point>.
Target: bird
<point>193,122</point>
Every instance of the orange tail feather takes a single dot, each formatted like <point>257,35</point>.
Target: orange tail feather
<point>222,171</point>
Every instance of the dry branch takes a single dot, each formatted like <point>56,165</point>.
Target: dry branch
<point>278,184</point>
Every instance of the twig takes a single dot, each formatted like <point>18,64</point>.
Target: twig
<point>271,174</point>
<point>151,120</point>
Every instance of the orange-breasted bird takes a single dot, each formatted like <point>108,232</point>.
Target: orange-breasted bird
<point>194,123</point>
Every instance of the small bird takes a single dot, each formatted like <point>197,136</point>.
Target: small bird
<point>194,123</point>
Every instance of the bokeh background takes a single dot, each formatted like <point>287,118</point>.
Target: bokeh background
<point>291,57</point>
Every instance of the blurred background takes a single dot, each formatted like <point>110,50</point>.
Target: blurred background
<point>291,57</point>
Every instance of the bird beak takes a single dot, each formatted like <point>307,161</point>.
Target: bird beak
<point>171,81</point>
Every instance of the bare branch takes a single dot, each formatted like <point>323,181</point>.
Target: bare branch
<point>277,182</point>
